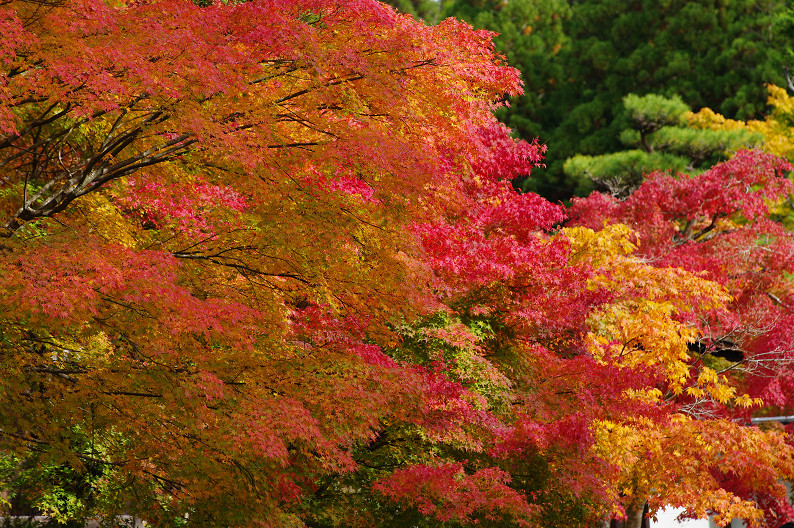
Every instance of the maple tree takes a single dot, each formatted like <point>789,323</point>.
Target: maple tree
<point>426,10</point>
<point>717,225</point>
<point>263,263</point>
<point>530,34</point>
<point>205,240</point>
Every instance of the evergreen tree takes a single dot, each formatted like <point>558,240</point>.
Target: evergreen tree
<point>658,138</point>
<point>711,53</point>
<point>579,59</point>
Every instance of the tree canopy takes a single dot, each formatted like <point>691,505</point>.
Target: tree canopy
<point>263,263</point>
<point>659,137</point>
<point>591,54</point>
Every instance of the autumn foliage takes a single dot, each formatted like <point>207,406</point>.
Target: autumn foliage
<point>263,264</point>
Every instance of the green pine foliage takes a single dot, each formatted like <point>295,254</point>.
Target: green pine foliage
<point>659,139</point>
<point>653,111</point>
<point>618,172</point>
<point>580,59</point>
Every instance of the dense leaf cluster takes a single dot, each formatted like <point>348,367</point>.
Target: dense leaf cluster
<point>713,54</point>
<point>660,138</point>
<point>264,263</point>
